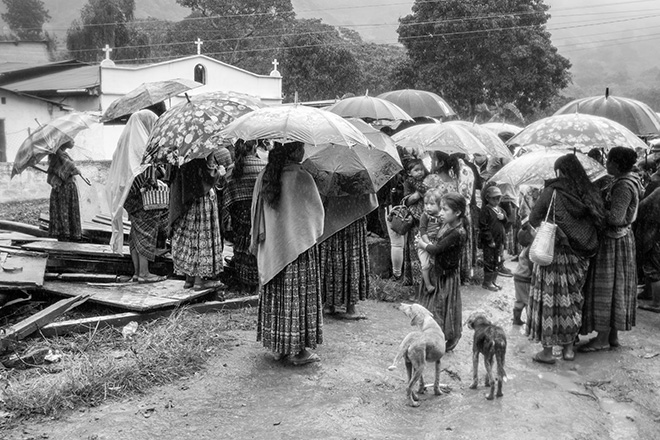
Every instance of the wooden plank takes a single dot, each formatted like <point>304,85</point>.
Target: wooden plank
<point>8,225</point>
<point>130,296</point>
<point>77,249</point>
<point>24,328</point>
<point>31,276</point>
<point>121,319</point>
<point>83,277</point>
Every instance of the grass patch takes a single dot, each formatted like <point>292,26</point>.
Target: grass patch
<point>384,289</point>
<point>24,211</point>
<point>102,365</point>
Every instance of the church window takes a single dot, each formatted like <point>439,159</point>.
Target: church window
<point>200,74</point>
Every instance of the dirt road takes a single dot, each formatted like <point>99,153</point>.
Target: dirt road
<point>244,394</point>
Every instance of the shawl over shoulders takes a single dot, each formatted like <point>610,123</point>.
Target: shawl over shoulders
<point>281,234</point>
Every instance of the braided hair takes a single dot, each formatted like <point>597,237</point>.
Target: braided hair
<point>243,149</point>
<point>277,159</point>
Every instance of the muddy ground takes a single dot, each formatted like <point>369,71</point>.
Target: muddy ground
<point>350,394</point>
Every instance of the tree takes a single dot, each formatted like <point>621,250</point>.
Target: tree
<point>26,18</point>
<point>317,63</point>
<point>107,22</point>
<point>476,51</point>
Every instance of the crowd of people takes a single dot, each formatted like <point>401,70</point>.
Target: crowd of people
<point>306,253</point>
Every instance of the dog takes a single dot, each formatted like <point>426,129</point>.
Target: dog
<point>419,347</point>
<point>490,341</point>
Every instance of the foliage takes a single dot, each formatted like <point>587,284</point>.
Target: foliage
<point>106,22</point>
<point>26,18</point>
<point>476,51</point>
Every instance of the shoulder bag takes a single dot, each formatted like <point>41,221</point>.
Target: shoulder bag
<point>542,251</point>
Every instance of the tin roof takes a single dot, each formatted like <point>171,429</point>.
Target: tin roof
<point>79,78</point>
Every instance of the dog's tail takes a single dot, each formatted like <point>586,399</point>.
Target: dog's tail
<point>500,356</point>
<point>402,349</point>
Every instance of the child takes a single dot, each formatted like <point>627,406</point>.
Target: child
<point>414,188</point>
<point>429,225</point>
<point>492,224</point>
<point>522,276</point>
<point>445,300</point>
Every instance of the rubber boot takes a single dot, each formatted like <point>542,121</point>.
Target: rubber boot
<point>516,317</point>
<point>488,282</point>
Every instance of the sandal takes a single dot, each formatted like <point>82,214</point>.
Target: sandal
<point>152,279</point>
<point>537,358</point>
<point>309,358</point>
<point>589,347</point>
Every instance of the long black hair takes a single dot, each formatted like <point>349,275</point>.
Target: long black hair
<point>242,149</point>
<point>581,186</point>
<point>277,158</point>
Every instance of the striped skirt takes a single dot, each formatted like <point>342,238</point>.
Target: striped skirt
<point>446,305</point>
<point>145,227</point>
<point>412,268</point>
<point>344,266</point>
<point>244,261</point>
<point>611,289</point>
<point>64,223</point>
<point>196,240</point>
<point>290,309</point>
<point>467,260</point>
<point>555,299</point>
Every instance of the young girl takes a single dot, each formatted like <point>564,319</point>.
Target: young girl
<point>445,301</point>
<point>414,188</point>
<point>492,222</point>
<point>429,225</point>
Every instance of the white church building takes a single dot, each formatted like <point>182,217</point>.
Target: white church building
<point>33,95</point>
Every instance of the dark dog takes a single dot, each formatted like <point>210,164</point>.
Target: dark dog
<point>490,341</point>
<point>419,347</point>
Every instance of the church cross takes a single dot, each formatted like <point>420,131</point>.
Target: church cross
<point>275,64</point>
<point>199,45</point>
<point>107,49</point>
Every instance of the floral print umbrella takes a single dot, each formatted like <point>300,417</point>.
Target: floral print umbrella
<point>443,137</point>
<point>579,131</point>
<point>183,132</point>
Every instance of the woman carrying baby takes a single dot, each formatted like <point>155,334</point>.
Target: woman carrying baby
<point>445,301</point>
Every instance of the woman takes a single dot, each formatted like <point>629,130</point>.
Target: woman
<point>611,289</point>
<point>555,298</point>
<point>64,223</point>
<point>125,182</point>
<point>195,223</point>
<point>287,221</point>
<point>237,202</point>
<point>445,301</point>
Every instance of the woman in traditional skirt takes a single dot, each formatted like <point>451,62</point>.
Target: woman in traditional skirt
<point>237,202</point>
<point>64,223</point>
<point>611,289</point>
<point>287,221</point>
<point>344,256</point>
<point>195,222</point>
<point>555,300</point>
<point>445,301</point>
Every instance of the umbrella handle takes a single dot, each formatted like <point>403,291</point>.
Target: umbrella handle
<point>40,169</point>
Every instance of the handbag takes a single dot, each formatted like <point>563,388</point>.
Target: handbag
<point>156,198</point>
<point>542,251</point>
<point>401,220</point>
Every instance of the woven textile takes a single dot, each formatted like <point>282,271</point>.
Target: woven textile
<point>290,310</point>
<point>244,261</point>
<point>240,190</point>
<point>64,223</point>
<point>446,305</point>
<point>611,289</point>
<point>196,241</point>
<point>555,299</point>
<point>344,266</point>
<point>145,227</point>
<point>412,268</point>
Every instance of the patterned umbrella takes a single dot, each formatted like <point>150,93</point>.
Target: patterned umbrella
<point>369,107</point>
<point>538,166</point>
<point>439,137</point>
<point>419,103</point>
<point>186,131</point>
<point>289,123</point>
<point>48,138</point>
<point>578,131</point>
<point>147,94</point>
<point>339,170</point>
<point>492,141</point>
<point>502,128</point>
<point>634,115</point>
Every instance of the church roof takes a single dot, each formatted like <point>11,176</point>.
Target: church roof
<point>80,79</point>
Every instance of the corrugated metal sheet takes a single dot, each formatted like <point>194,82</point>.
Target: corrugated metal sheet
<point>80,78</point>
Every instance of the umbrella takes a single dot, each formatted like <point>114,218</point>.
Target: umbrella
<point>491,141</point>
<point>538,166</point>
<point>48,138</point>
<point>339,170</point>
<point>632,114</point>
<point>369,107</point>
<point>147,94</point>
<point>502,128</point>
<point>188,131</point>
<point>577,131</point>
<point>419,103</point>
<point>439,137</point>
<point>289,123</point>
